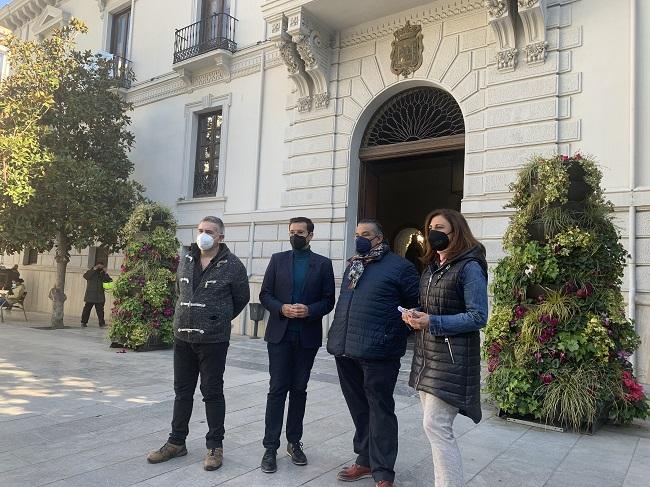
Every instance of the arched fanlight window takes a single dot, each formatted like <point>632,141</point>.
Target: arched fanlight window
<point>414,114</point>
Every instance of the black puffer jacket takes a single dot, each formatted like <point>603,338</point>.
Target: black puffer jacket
<point>215,301</point>
<point>449,367</point>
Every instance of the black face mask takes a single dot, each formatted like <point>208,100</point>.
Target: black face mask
<point>298,242</point>
<point>438,241</point>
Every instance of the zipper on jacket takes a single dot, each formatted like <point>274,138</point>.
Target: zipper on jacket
<point>426,330</point>
<point>451,354</point>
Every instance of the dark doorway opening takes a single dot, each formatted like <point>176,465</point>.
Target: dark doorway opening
<point>401,192</point>
<point>412,162</point>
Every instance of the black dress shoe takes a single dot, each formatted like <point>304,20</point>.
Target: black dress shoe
<point>269,465</point>
<point>294,450</point>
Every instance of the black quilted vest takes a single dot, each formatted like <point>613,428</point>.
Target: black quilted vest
<point>448,367</point>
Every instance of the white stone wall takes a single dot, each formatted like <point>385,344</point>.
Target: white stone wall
<point>280,162</point>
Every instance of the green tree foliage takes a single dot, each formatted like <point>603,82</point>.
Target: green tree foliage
<point>71,187</point>
<point>558,341</point>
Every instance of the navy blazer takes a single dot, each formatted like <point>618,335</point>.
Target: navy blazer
<point>317,295</point>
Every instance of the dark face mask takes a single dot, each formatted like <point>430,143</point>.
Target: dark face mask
<point>363,244</point>
<point>298,242</point>
<point>438,241</point>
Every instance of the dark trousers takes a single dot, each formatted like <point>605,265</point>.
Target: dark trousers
<point>99,308</point>
<point>190,361</point>
<point>289,365</point>
<point>368,387</point>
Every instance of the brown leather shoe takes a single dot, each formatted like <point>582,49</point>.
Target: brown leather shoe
<point>166,452</point>
<point>384,483</point>
<point>213,459</point>
<point>353,473</point>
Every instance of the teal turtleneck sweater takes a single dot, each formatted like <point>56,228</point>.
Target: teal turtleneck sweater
<point>300,267</point>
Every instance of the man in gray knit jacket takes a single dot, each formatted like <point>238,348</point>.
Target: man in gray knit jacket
<point>212,290</point>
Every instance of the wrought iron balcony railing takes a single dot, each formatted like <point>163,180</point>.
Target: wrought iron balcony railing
<point>216,32</point>
<point>122,71</point>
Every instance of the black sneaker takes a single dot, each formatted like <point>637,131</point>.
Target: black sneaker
<point>269,465</point>
<point>84,325</point>
<point>294,450</point>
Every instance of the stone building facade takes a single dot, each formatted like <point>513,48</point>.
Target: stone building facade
<point>315,104</point>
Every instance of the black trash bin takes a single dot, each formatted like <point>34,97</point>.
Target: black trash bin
<point>256,314</point>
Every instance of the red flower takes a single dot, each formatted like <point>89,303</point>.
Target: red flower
<point>577,157</point>
<point>493,363</point>
<point>565,158</point>
<point>635,391</point>
<point>546,378</point>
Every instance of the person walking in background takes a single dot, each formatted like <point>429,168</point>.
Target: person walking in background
<point>368,338</point>
<point>298,290</point>
<point>212,290</point>
<point>446,368</point>
<point>95,296</point>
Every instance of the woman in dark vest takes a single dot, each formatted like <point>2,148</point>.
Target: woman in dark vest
<point>446,369</point>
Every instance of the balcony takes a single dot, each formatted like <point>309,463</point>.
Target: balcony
<point>204,44</point>
<point>122,72</point>
<point>342,14</point>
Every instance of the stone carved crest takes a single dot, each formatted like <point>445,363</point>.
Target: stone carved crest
<point>406,55</point>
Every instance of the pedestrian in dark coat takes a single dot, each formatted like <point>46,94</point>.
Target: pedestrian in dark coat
<point>213,290</point>
<point>95,296</point>
<point>446,368</point>
<point>368,338</point>
<point>298,291</point>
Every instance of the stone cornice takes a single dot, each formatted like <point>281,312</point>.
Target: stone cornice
<point>20,12</point>
<point>423,16</point>
<point>244,63</point>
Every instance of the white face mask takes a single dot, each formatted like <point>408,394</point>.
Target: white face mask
<point>204,241</point>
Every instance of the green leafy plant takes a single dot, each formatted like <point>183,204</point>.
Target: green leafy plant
<point>145,290</point>
<point>558,341</point>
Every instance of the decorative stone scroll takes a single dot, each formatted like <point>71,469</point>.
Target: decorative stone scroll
<point>292,60</point>
<point>313,45</point>
<point>501,22</point>
<point>531,13</point>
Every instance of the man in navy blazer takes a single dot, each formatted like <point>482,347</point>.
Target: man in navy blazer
<point>298,290</point>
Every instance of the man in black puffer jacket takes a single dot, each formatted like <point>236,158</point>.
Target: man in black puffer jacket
<point>368,338</point>
<point>212,290</point>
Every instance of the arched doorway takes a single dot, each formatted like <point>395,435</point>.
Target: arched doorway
<point>411,160</point>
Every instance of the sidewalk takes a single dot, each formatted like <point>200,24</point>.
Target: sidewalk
<point>74,412</point>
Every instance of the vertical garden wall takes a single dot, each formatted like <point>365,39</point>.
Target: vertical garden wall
<point>558,341</point>
<point>145,290</point>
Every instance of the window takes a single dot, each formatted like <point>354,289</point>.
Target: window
<point>208,146</point>
<point>120,33</point>
<point>3,67</point>
<point>215,17</point>
<point>30,257</point>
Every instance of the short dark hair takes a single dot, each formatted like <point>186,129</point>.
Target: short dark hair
<point>303,219</point>
<point>217,221</point>
<point>371,221</point>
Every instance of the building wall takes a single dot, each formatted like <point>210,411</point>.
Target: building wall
<point>588,96</point>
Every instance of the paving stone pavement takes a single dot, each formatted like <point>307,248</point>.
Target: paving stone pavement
<point>74,412</point>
